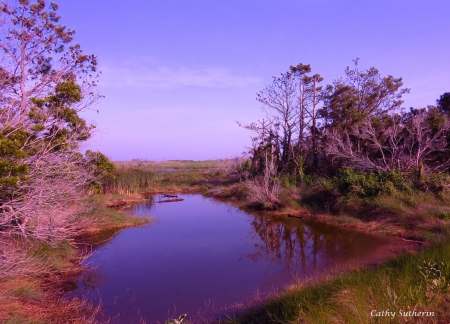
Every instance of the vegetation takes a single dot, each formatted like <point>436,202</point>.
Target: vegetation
<point>312,132</point>
<point>410,283</point>
<point>45,82</point>
<point>168,176</point>
<point>345,152</point>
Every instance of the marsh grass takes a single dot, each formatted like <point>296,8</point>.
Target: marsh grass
<point>31,291</point>
<point>34,295</point>
<point>147,176</point>
<point>104,218</point>
<point>419,282</point>
<point>54,257</point>
<point>131,179</point>
<point>171,164</point>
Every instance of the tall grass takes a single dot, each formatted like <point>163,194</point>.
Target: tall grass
<point>129,180</point>
<point>420,282</point>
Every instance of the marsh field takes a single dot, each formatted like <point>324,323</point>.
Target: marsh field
<point>333,205</point>
<point>409,278</point>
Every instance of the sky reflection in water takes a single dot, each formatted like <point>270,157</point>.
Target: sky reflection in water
<point>200,253</point>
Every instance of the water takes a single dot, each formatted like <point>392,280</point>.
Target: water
<point>201,255</point>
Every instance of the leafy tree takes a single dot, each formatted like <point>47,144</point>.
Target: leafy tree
<point>360,95</point>
<point>45,81</point>
<point>443,103</point>
<point>102,169</point>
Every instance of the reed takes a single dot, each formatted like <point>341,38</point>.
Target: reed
<point>128,180</point>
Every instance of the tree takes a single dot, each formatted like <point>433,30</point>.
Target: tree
<point>406,142</point>
<point>443,103</point>
<point>355,108</point>
<point>310,95</point>
<point>37,57</point>
<point>45,81</point>
<point>361,94</point>
<point>281,106</point>
<point>290,128</point>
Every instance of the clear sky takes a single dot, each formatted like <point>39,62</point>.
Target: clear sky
<point>178,74</point>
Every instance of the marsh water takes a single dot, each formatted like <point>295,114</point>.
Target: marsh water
<point>200,256</point>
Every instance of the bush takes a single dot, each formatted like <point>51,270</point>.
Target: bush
<point>351,183</point>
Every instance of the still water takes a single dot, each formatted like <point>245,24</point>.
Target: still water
<point>200,255</point>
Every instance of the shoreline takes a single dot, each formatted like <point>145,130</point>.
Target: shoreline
<point>400,241</point>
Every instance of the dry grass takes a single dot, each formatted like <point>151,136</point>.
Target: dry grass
<point>33,274</point>
<point>31,292</point>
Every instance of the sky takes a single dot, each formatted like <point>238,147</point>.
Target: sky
<point>178,74</point>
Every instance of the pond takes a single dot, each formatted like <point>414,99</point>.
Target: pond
<point>199,255</point>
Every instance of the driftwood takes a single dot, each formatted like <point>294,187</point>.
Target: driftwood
<point>170,200</point>
<point>169,196</point>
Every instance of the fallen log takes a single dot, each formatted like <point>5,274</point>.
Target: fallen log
<point>170,200</point>
<point>117,204</point>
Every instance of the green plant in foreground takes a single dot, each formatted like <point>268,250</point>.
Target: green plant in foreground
<point>436,275</point>
<point>177,321</point>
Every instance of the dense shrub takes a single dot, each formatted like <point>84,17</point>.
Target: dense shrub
<point>351,183</point>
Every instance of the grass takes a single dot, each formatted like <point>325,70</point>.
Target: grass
<point>105,218</point>
<point>31,292</point>
<point>131,179</point>
<point>25,290</point>
<point>348,298</point>
<point>169,176</point>
<point>419,282</point>
<point>171,164</point>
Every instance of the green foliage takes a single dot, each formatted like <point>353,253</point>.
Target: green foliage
<point>102,168</point>
<point>12,170</point>
<point>436,277</point>
<point>351,183</point>
<point>289,180</point>
<point>443,102</point>
<point>56,122</point>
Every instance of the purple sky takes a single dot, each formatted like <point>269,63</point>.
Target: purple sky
<point>177,74</point>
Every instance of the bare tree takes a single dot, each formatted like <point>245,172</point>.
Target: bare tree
<point>400,142</point>
<point>49,204</point>
<point>281,106</point>
<point>45,81</point>
<point>37,56</point>
<point>265,188</point>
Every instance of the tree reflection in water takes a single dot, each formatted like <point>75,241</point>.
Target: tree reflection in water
<point>302,247</point>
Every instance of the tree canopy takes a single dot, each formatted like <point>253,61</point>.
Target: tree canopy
<point>45,82</point>
<point>356,122</point>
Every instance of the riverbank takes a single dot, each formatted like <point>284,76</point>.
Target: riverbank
<point>413,222</point>
<point>412,215</point>
<point>416,219</point>
<point>34,276</point>
<point>406,289</point>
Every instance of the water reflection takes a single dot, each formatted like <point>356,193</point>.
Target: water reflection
<point>200,250</point>
<point>302,247</point>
